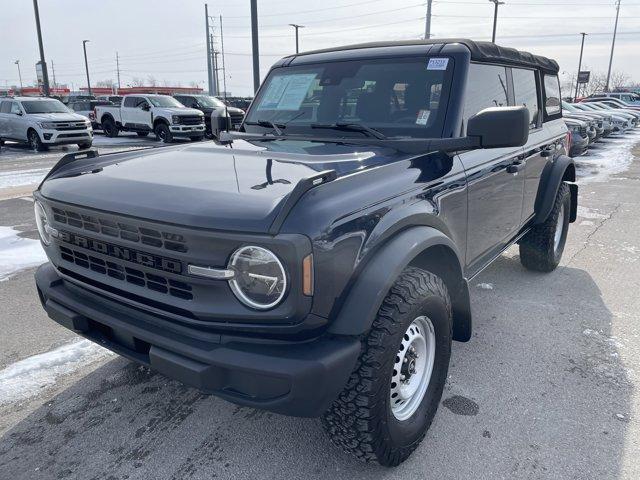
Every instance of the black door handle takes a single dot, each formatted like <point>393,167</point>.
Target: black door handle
<point>515,167</point>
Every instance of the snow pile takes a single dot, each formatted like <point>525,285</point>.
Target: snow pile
<point>28,377</point>
<point>610,157</point>
<point>18,178</point>
<point>17,253</point>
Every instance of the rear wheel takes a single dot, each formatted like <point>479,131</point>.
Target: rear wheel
<point>392,396</point>
<point>109,127</point>
<point>541,249</point>
<point>163,133</point>
<point>34,141</point>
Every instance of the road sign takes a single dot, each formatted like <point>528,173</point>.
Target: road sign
<point>583,77</point>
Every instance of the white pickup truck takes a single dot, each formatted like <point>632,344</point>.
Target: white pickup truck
<point>163,115</point>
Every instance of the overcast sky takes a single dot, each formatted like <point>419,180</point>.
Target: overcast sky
<point>166,39</point>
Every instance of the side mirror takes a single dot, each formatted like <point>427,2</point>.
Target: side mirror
<point>19,114</point>
<point>499,127</point>
<point>146,107</point>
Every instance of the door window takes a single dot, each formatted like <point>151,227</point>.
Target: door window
<point>130,102</point>
<point>5,107</point>
<point>551,96</point>
<point>486,87</point>
<point>526,93</point>
<point>15,108</point>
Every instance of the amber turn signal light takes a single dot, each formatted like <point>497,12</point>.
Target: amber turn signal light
<point>307,275</point>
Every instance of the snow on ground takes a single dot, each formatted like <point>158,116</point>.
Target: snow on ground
<point>611,156</point>
<point>17,253</point>
<point>28,377</point>
<point>18,178</point>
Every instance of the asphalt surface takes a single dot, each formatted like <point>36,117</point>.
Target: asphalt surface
<point>546,388</point>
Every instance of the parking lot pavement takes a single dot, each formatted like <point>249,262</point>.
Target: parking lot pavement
<point>545,389</point>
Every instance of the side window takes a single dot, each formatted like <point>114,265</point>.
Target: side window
<point>486,87</point>
<point>15,108</point>
<point>5,107</point>
<point>141,102</point>
<point>130,102</point>
<point>551,96</point>
<point>526,93</point>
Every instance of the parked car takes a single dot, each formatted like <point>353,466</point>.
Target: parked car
<point>143,114</point>
<point>579,137</point>
<point>622,121</point>
<point>86,108</point>
<point>242,103</point>
<point>613,103</point>
<point>606,119</point>
<point>216,113</point>
<point>629,98</point>
<point>115,99</point>
<point>317,262</point>
<point>41,122</point>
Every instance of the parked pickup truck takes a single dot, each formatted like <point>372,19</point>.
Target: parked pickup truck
<point>317,262</point>
<point>161,114</point>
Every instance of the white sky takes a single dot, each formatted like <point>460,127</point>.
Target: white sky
<point>165,39</point>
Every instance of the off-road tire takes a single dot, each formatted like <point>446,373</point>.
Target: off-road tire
<point>33,139</point>
<point>110,128</point>
<point>143,134</point>
<point>163,134</point>
<point>537,247</point>
<point>85,146</point>
<point>361,421</point>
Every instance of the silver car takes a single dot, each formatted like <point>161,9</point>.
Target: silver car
<point>41,122</point>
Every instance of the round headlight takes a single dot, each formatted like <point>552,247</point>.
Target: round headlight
<point>42,222</point>
<point>260,281</point>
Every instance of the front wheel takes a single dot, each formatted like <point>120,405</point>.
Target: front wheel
<point>84,146</point>
<point>541,248</point>
<point>34,141</point>
<point>163,133</point>
<point>392,396</point>
<point>109,128</point>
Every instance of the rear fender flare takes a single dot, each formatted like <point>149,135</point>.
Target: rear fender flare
<point>421,246</point>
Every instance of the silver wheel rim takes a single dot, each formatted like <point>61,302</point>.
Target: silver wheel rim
<point>412,368</point>
<point>559,227</point>
<point>32,141</point>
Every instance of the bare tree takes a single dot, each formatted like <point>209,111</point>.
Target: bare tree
<point>105,83</point>
<point>152,81</point>
<point>137,82</point>
<point>619,80</point>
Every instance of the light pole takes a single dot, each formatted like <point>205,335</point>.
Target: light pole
<point>86,64</point>
<point>45,75</point>
<point>254,45</point>
<point>296,27</point>
<point>17,62</point>
<point>613,44</point>
<point>495,18</point>
<point>427,26</point>
<point>575,97</point>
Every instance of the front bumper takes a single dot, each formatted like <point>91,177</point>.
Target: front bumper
<point>62,137</point>
<point>292,378</point>
<point>187,130</point>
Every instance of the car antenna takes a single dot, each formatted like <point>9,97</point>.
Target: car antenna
<point>224,79</point>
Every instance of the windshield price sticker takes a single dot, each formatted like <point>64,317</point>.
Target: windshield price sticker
<point>438,64</point>
<point>423,117</point>
<point>287,92</point>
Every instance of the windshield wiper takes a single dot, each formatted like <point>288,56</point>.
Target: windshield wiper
<point>354,127</point>
<point>269,124</point>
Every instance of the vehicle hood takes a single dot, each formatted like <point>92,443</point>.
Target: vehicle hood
<point>56,117</point>
<point>180,111</point>
<point>240,187</point>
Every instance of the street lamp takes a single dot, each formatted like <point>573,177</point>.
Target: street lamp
<point>296,27</point>
<point>495,18</point>
<point>17,62</point>
<point>86,64</point>
<point>575,97</point>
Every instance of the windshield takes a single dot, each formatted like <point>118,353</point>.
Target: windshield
<point>163,101</point>
<point>396,97</point>
<point>207,101</point>
<point>44,106</point>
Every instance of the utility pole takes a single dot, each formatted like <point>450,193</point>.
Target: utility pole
<point>254,45</point>
<point>224,72</point>
<point>495,18</point>
<point>208,39</point>
<point>118,70</point>
<point>45,75</point>
<point>17,62</point>
<point>613,44</point>
<point>296,26</point>
<point>53,70</point>
<point>427,27</point>
<point>86,64</point>
<point>575,97</point>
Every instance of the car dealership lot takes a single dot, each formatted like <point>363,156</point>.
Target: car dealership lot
<point>545,389</point>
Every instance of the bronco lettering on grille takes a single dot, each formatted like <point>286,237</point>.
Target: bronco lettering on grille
<point>123,253</point>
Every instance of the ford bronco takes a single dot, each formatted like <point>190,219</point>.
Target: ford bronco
<point>316,262</point>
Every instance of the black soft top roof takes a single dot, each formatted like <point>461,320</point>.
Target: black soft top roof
<point>480,51</point>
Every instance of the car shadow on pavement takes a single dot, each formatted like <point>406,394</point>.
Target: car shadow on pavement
<point>539,392</point>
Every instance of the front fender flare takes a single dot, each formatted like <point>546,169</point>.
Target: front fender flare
<point>562,169</point>
<point>376,278</point>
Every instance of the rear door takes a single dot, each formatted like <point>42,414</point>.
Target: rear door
<point>5,107</point>
<point>495,176</point>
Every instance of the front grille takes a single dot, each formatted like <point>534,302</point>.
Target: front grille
<point>236,119</point>
<point>583,131</point>
<point>118,271</point>
<point>73,135</point>
<point>124,230</point>
<point>191,120</point>
<point>70,126</point>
